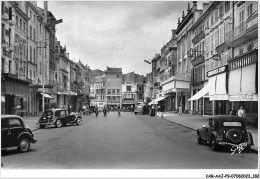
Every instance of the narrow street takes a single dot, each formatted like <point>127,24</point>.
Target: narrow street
<point>123,142</point>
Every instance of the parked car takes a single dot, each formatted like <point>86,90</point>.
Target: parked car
<point>58,117</point>
<point>225,130</point>
<point>15,133</point>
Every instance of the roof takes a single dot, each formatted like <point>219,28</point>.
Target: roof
<point>9,116</point>
<point>228,118</point>
<point>113,70</point>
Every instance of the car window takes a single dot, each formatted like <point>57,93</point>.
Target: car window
<point>47,113</point>
<point>4,124</point>
<point>57,114</point>
<point>63,113</point>
<point>232,124</point>
<point>14,123</point>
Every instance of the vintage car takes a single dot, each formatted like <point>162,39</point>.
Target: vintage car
<point>225,130</point>
<point>15,133</point>
<point>58,117</point>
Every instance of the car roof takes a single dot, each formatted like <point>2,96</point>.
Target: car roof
<point>9,116</point>
<point>56,109</point>
<point>228,118</point>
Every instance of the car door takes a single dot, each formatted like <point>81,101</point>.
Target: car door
<point>15,129</point>
<point>4,133</point>
<point>208,129</point>
<point>63,117</point>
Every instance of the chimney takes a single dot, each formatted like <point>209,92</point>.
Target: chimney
<point>45,11</point>
<point>183,15</point>
<point>205,7</point>
<point>188,7</point>
<point>157,55</point>
<point>194,5</point>
<point>173,34</point>
<point>179,21</point>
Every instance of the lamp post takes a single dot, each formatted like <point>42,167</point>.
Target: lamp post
<point>149,62</point>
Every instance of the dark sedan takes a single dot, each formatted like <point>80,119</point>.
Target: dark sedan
<point>225,130</point>
<point>58,117</point>
<point>15,133</point>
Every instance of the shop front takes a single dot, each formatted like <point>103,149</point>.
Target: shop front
<point>217,80</point>
<point>243,84</point>
<point>15,95</point>
<point>128,104</point>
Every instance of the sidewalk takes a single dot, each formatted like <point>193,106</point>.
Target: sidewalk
<point>195,122</point>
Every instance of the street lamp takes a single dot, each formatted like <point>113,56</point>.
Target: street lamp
<point>149,62</point>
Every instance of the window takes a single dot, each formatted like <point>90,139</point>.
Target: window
<point>118,91</point>
<point>109,98</point>
<point>34,34</point>
<point>16,22</point>
<point>30,74</point>
<point>128,88</point>
<point>140,96</point>
<point>40,29</point>
<point>34,55</point>
<point>113,91</point>
<point>117,76</point>
<point>227,6</point>
<point>249,10</point>
<point>140,88</point>
<point>34,18</point>
<point>221,34</point>
<point>34,75</point>
<point>221,11</point>
<point>30,14</point>
<point>212,20</point>
<point>30,31</point>
<point>31,53</point>
<point>113,98</point>
<point>216,15</point>
<point>20,23</point>
<point>24,27</point>
<point>216,38</point>
<point>212,43</point>
<point>14,123</point>
<point>108,91</point>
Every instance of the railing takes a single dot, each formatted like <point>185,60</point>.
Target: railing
<point>236,33</point>
<point>243,60</point>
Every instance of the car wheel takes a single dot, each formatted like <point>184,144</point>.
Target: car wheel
<point>58,123</point>
<point>24,145</point>
<point>214,144</point>
<point>78,121</point>
<point>42,126</point>
<point>199,139</point>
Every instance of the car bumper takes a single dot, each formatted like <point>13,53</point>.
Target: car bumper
<point>230,144</point>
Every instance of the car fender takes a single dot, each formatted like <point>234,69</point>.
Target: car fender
<point>202,133</point>
<point>250,141</point>
<point>77,117</point>
<point>25,135</point>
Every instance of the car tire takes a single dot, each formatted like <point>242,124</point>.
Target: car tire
<point>199,139</point>
<point>24,145</point>
<point>214,144</point>
<point>58,123</point>
<point>78,121</point>
<point>42,126</point>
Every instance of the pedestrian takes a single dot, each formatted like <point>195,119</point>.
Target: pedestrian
<point>180,110</point>
<point>96,110</point>
<point>105,111</point>
<point>241,113</point>
<point>62,106</point>
<point>69,109</point>
<point>118,110</point>
<point>162,110</point>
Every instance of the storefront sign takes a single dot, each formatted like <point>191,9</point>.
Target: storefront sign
<point>217,97</point>
<point>243,97</point>
<point>217,71</point>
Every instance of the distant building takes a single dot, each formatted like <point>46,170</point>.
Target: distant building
<point>98,92</point>
<point>113,86</point>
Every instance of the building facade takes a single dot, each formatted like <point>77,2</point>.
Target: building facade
<point>113,86</point>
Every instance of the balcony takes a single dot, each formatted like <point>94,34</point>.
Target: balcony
<point>198,59</point>
<point>198,38</point>
<point>236,33</point>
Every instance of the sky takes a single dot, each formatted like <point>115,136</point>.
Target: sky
<point>120,34</point>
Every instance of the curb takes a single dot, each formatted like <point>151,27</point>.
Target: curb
<point>251,150</point>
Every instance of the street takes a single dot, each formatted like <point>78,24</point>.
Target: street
<point>123,142</point>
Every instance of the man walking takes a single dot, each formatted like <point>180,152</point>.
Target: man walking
<point>241,113</point>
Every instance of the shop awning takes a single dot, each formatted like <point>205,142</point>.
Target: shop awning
<point>47,96</point>
<point>128,101</point>
<point>160,98</point>
<point>200,94</point>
